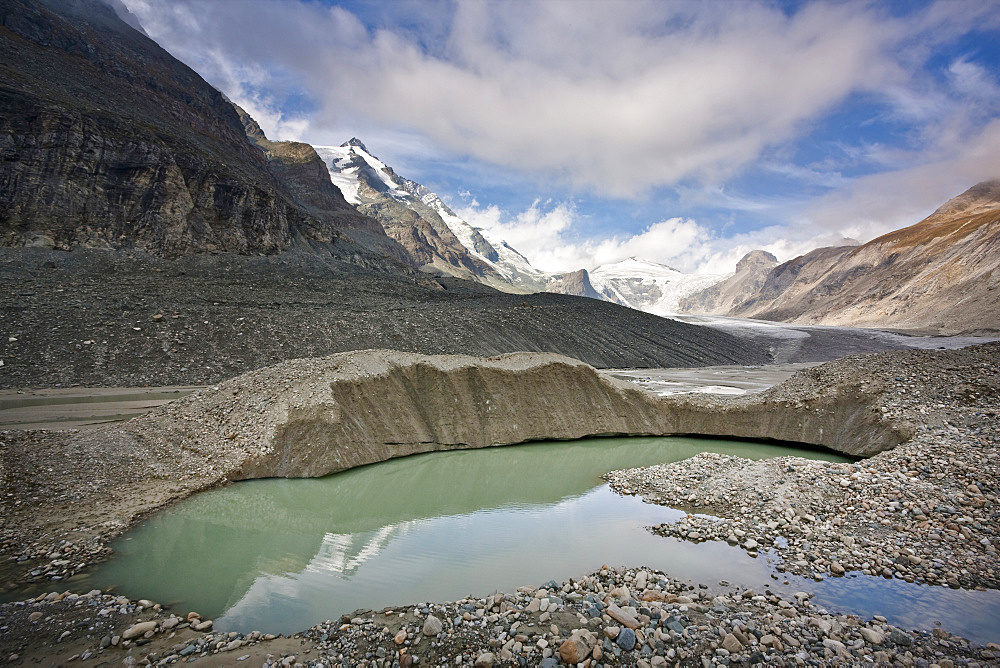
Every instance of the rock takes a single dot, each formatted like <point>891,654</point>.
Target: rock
<point>35,616</point>
<point>484,660</point>
<point>612,631</point>
<point>626,639</point>
<point>400,637</point>
<point>751,545</point>
<point>837,569</point>
<point>622,616</point>
<point>202,626</point>
<point>732,644</point>
<point>579,645</point>
<point>900,638</point>
<point>871,636</point>
<point>137,630</point>
<point>432,626</point>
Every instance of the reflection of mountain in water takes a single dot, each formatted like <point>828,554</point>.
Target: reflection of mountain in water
<point>264,542</point>
<point>345,553</point>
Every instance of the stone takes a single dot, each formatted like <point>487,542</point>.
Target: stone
<point>837,569</point>
<point>35,616</point>
<point>400,637</point>
<point>432,626</point>
<point>137,630</point>
<point>626,639</point>
<point>579,645</point>
<point>484,660</point>
<point>622,616</point>
<point>871,636</point>
<point>732,644</point>
<point>202,626</point>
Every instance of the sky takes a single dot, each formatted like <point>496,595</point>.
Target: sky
<point>588,131</point>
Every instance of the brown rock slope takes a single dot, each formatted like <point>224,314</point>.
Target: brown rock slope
<point>751,273</point>
<point>108,141</point>
<point>941,274</point>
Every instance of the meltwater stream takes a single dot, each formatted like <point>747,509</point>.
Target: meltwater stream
<point>281,555</point>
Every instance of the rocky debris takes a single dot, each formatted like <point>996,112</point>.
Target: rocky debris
<point>678,622</point>
<point>925,511</point>
<point>73,315</point>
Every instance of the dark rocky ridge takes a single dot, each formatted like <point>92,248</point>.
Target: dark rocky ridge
<point>74,317</point>
<point>107,141</point>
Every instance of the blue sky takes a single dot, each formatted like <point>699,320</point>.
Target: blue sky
<point>584,132</point>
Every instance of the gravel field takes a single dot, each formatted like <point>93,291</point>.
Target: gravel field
<point>924,511</point>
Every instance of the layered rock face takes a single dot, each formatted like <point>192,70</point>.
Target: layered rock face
<point>108,141</point>
<point>312,417</point>
<point>942,274</point>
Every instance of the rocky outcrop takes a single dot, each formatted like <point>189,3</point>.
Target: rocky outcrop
<point>941,274</point>
<point>751,273</point>
<point>572,283</point>
<point>304,175</point>
<point>108,141</point>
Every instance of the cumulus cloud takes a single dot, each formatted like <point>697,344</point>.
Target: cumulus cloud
<point>619,99</point>
<point>547,233</point>
<point>616,96</point>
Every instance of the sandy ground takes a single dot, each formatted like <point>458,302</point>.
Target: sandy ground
<point>81,407</point>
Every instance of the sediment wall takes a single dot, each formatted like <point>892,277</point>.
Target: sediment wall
<point>312,417</point>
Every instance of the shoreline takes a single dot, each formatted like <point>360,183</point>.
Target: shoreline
<point>913,405</point>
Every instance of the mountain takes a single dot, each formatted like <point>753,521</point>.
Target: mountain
<point>751,273</point>
<point>577,283</point>
<point>648,286</point>
<point>410,214</point>
<point>941,274</point>
<point>107,141</point>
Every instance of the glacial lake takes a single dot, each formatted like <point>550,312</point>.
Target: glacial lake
<point>281,555</point>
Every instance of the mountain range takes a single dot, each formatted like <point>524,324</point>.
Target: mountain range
<point>108,142</point>
<point>441,241</point>
<point>941,274</point>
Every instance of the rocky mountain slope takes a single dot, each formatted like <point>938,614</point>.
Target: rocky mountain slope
<point>941,274</point>
<point>751,272</point>
<point>199,249</point>
<point>648,286</point>
<point>399,205</point>
<point>112,318</point>
<point>108,141</point>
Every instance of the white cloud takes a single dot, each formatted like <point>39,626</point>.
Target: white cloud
<point>618,96</point>
<point>548,235</point>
